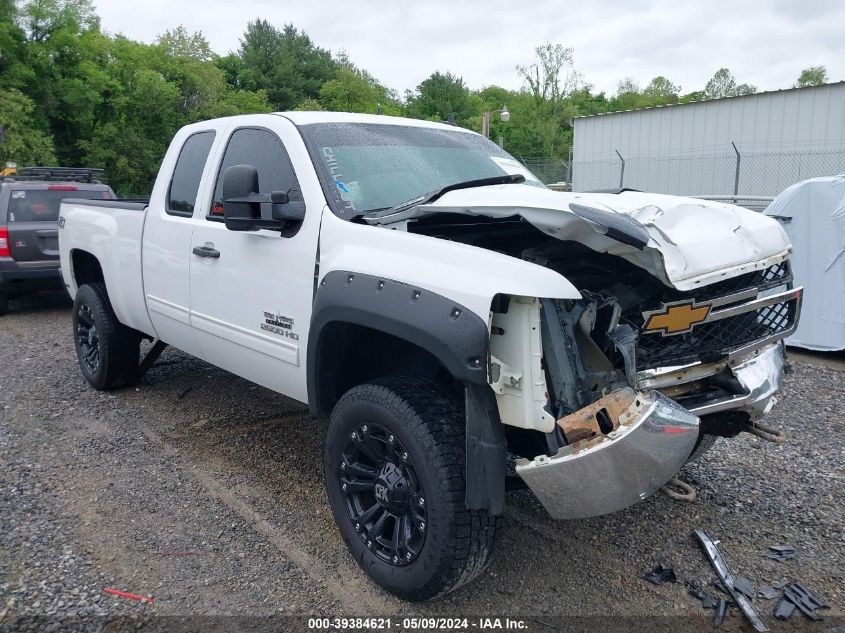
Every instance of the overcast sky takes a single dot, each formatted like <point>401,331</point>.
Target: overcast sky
<point>401,42</point>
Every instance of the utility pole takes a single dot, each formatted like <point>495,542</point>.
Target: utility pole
<point>504,115</point>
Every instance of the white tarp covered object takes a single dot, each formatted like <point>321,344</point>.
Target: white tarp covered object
<point>813,214</point>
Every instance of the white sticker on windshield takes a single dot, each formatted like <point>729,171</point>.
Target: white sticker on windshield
<point>19,194</point>
<point>512,166</point>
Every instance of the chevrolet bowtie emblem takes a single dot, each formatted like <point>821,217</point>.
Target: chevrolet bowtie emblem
<point>675,318</point>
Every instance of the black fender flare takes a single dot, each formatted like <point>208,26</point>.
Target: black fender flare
<point>453,334</point>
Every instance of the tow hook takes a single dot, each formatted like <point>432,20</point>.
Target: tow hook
<point>764,431</point>
<point>679,490</point>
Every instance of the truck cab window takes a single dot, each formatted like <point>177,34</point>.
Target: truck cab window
<point>263,150</point>
<point>182,194</point>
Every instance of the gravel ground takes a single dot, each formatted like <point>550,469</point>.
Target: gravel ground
<point>206,493</point>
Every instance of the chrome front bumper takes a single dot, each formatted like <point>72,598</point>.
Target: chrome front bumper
<point>654,439</point>
<point>652,442</point>
<point>760,377</point>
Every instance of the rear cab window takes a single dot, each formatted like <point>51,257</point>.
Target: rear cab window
<point>185,183</point>
<point>29,204</point>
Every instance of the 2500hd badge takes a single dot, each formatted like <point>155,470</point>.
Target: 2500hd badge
<point>279,324</point>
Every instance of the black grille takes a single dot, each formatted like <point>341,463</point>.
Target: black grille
<point>771,277</point>
<point>711,341</point>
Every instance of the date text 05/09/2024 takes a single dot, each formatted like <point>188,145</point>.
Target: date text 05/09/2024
<point>418,624</point>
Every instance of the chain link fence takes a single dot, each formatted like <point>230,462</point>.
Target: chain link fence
<point>730,172</point>
<point>548,170</point>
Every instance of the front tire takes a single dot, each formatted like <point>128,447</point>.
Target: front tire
<point>705,443</point>
<point>395,465</point>
<point>107,350</point>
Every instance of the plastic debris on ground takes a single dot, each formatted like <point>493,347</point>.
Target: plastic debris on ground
<point>745,586</point>
<point>728,582</point>
<point>126,594</point>
<point>741,590</point>
<point>661,575</point>
<point>721,611</point>
<point>781,552</point>
<point>806,601</point>
<point>708,601</point>
<point>784,609</point>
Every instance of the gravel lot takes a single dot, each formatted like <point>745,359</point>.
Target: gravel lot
<point>206,493</point>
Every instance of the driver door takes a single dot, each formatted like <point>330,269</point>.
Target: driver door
<point>251,291</point>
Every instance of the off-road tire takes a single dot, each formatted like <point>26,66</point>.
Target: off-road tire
<point>118,346</point>
<point>705,443</point>
<point>4,303</point>
<point>430,425</point>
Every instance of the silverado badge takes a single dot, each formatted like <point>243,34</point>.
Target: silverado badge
<point>675,318</point>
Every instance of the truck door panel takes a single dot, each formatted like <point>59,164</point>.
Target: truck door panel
<point>251,299</point>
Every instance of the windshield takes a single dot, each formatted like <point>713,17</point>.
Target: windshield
<point>365,167</point>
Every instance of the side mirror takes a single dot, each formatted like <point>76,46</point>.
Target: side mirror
<point>240,186</point>
<point>242,202</point>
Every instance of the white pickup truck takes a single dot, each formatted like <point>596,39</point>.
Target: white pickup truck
<point>456,320</point>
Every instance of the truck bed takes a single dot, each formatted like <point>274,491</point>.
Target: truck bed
<point>111,231</point>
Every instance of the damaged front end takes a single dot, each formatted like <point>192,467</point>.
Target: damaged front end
<point>631,443</point>
<point>624,397</point>
<point>676,334</point>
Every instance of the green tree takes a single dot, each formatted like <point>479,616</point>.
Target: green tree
<point>180,43</point>
<point>356,90</point>
<point>70,83</point>
<point>519,132</point>
<point>309,105</point>
<point>628,85</point>
<point>43,18</point>
<point>552,75</point>
<point>349,91</point>
<point>286,64</point>
<point>695,95</point>
<point>440,95</point>
<point>661,88</point>
<point>723,84</point>
<point>812,76</point>
<point>659,91</point>
<point>23,143</point>
<point>14,69</point>
<point>549,80</point>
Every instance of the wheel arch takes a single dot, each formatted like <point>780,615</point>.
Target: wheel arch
<point>85,268</point>
<point>417,328</point>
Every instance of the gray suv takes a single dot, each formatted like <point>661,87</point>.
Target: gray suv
<point>29,212</point>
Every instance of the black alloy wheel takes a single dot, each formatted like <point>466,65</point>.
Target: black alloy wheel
<point>383,493</point>
<point>395,465</point>
<point>87,339</point>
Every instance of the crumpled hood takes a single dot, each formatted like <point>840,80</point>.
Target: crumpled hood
<point>691,242</point>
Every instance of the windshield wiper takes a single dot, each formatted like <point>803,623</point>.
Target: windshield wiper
<point>506,179</point>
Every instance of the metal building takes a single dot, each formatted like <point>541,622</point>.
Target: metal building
<point>755,145</point>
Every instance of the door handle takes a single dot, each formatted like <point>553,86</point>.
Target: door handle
<point>206,251</point>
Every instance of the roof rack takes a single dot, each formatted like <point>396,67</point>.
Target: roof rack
<point>60,174</point>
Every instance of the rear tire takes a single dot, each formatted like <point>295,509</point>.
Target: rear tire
<point>415,449</point>
<point>107,350</point>
<point>4,303</point>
